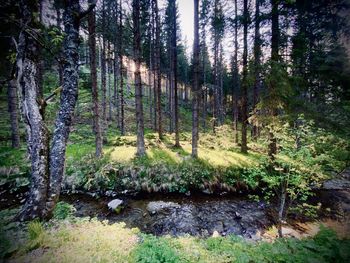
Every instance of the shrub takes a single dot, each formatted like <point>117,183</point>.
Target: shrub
<point>154,250</point>
<point>63,210</point>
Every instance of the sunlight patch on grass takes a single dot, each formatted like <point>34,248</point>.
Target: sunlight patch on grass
<point>90,241</point>
<point>123,154</point>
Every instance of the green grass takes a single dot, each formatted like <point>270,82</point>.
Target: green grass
<point>90,240</point>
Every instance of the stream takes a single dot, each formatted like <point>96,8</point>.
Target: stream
<point>197,215</point>
<point>200,214</point>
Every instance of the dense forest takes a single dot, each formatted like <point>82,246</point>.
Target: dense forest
<point>129,134</point>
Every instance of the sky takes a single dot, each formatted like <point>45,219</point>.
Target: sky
<point>186,20</point>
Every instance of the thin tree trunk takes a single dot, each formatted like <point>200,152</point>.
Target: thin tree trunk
<point>236,87</point>
<point>257,61</point>
<point>176,106</point>
<point>13,111</point>
<point>138,87</point>
<point>196,90</point>
<point>103,75</point>
<point>94,88</point>
<point>121,88</point>
<point>244,148</point>
<point>274,59</point>
<point>158,73</point>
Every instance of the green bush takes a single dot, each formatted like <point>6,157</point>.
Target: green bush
<point>155,250</point>
<point>63,210</point>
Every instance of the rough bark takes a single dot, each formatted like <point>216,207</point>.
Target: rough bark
<point>13,111</point>
<point>36,130</point>
<point>138,87</point>
<point>94,88</point>
<point>244,148</point>
<point>196,90</point>
<point>69,95</point>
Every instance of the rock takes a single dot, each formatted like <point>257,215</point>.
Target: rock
<point>156,206</point>
<point>207,191</point>
<point>219,227</point>
<point>116,205</point>
<point>215,234</point>
<point>110,193</point>
<point>336,184</point>
<point>238,215</point>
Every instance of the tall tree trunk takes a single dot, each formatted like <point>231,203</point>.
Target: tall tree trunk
<point>103,75</point>
<point>94,88</point>
<point>274,59</point>
<point>176,106</point>
<point>109,72</point>
<point>244,148</point>
<point>196,90</point>
<point>138,87</point>
<point>236,88</point>
<point>257,61</point>
<point>68,99</point>
<point>158,73</point>
<point>36,130</point>
<point>121,88</point>
<point>13,110</point>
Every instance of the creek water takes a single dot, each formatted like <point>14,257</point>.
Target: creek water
<point>198,215</point>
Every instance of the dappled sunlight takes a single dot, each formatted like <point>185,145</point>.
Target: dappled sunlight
<point>90,241</point>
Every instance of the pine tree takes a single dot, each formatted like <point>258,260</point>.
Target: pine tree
<point>94,88</point>
<point>195,89</point>
<point>138,85</point>
<point>244,147</point>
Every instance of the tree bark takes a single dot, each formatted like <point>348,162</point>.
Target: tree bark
<point>138,87</point>
<point>244,148</point>
<point>13,111</point>
<point>68,99</point>
<point>94,88</point>
<point>36,130</point>
<point>196,90</point>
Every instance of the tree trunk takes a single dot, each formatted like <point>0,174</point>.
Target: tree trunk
<point>158,73</point>
<point>94,88</point>
<point>36,130</point>
<point>274,59</point>
<point>257,61</point>
<point>138,87</point>
<point>103,75</point>
<point>68,99</point>
<point>236,88</point>
<point>176,106</point>
<point>196,90</point>
<point>13,110</point>
<point>121,88</point>
<point>244,148</point>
